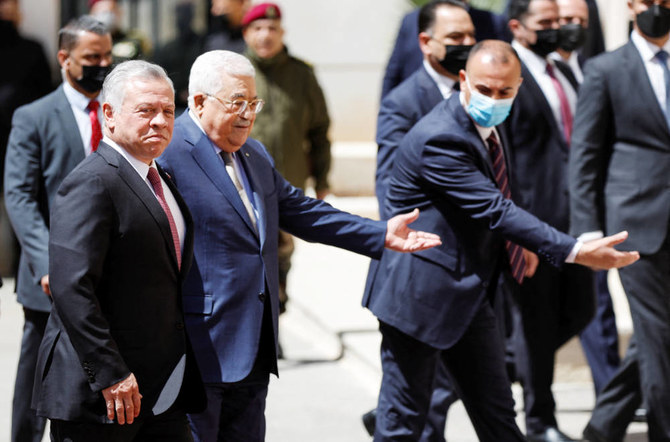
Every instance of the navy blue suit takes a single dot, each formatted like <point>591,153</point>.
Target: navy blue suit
<point>407,57</point>
<point>400,110</point>
<point>432,305</point>
<point>233,282</point>
<point>555,304</point>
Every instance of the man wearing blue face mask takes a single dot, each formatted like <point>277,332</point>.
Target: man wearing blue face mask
<point>435,307</point>
<point>446,35</point>
<point>619,166</point>
<point>555,304</point>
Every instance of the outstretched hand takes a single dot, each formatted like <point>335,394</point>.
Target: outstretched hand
<point>401,238</point>
<point>600,254</point>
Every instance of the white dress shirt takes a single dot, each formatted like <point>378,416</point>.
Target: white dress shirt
<point>444,84</point>
<point>143,169</point>
<point>79,103</point>
<point>652,65</point>
<point>538,68</point>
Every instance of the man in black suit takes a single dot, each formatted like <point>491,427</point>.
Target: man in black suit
<point>445,38</point>
<point>434,306</point>
<point>619,177</point>
<point>555,304</point>
<point>115,363</point>
<point>49,137</point>
<point>406,56</point>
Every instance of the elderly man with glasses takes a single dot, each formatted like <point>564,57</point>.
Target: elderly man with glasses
<point>239,202</point>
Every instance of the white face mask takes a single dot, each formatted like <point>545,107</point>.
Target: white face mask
<point>486,111</point>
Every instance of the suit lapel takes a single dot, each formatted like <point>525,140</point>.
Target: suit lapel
<point>63,112</point>
<point>541,102</point>
<point>140,188</point>
<point>203,153</point>
<point>638,76</point>
<point>429,93</point>
<point>470,131</point>
<point>247,157</point>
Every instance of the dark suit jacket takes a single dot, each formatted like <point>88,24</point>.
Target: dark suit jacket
<point>117,293</point>
<point>235,268</point>
<point>399,111</point>
<point>538,154</point>
<point>443,168</point>
<point>620,154</point>
<point>406,56</point>
<point>44,146</point>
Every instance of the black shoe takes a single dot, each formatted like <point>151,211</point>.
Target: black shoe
<point>592,435</point>
<point>370,420</point>
<point>550,434</point>
<point>640,415</point>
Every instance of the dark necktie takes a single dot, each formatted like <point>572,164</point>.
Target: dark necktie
<point>566,113</point>
<point>514,251</point>
<point>662,57</point>
<point>155,181</point>
<point>96,130</point>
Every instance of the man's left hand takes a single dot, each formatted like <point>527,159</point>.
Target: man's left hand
<point>401,238</point>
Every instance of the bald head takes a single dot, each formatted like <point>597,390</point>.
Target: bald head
<point>493,70</point>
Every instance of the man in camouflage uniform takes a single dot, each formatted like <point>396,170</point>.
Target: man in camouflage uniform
<point>294,122</point>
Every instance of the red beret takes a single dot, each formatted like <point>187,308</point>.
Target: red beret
<point>262,10</point>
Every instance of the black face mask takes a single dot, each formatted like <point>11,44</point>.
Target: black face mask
<point>457,56</point>
<point>92,77</point>
<point>546,43</point>
<point>571,36</point>
<point>654,22</point>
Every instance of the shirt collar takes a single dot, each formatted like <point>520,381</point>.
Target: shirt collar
<point>647,49</point>
<point>444,83</point>
<point>76,98</point>
<point>141,167</point>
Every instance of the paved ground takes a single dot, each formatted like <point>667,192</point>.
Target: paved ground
<point>331,373</point>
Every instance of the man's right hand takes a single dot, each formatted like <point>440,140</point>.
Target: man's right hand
<point>600,254</point>
<point>44,282</point>
<point>123,400</point>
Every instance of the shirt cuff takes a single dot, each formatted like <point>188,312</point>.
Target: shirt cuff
<point>590,236</point>
<point>575,250</point>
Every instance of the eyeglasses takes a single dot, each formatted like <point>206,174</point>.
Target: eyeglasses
<point>240,106</point>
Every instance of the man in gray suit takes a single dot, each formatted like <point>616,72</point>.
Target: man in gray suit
<point>49,138</point>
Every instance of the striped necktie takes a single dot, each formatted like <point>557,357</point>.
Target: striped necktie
<point>514,251</point>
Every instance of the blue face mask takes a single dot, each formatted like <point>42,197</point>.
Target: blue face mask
<point>486,111</point>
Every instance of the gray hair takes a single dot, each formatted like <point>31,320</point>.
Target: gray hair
<point>206,72</point>
<point>114,87</point>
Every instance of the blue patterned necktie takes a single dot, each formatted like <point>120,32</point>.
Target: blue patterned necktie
<point>662,57</point>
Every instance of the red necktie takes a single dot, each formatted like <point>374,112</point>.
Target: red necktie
<point>566,114</point>
<point>96,130</point>
<point>155,181</point>
<point>514,251</point>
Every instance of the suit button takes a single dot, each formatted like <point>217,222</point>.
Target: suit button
<point>179,325</point>
<point>91,379</point>
<point>261,297</point>
<point>485,284</point>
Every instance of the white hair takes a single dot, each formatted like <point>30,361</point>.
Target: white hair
<point>206,78</point>
<point>114,86</point>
